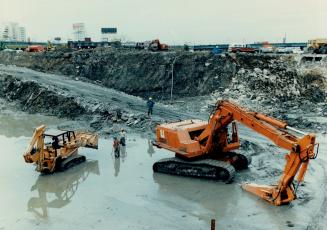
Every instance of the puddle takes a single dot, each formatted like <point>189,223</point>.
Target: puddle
<point>123,193</point>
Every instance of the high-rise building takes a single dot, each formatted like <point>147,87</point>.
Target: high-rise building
<point>11,31</point>
<point>22,34</point>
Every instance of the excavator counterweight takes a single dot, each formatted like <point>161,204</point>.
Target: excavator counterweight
<point>205,149</point>
<point>58,150</point>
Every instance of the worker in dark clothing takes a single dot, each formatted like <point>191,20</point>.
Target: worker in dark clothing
<point>55,144</point>
<point>116,147</point>
<point>150,105</point>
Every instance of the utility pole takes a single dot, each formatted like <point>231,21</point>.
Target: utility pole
<point>172,80</point>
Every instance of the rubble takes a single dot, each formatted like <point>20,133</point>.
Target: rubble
<point>279,86</point>
<point>33,97</point>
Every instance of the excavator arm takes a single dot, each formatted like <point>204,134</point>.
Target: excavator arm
<point>35,150</point>
<point>301,148</point>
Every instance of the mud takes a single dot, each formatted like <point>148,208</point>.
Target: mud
<point>105,192</point>
<point>144,74</point>
<point>277,85</point>
<point>34,98</point>
<point>57,95</point>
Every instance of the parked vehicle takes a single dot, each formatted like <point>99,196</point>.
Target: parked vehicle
<point>242,48</point>
<point>35,49</point>
<point>316,45</point>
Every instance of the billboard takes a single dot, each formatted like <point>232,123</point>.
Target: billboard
<point>108,30</point>
<point>78,26</point>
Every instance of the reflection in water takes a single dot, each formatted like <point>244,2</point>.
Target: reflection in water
<point>216,196</point>
<point>123,153</point>
<point>116,159</point>
<point>116,165</point>
<point>62,185</point>
<point>21,124</point>
<point>150,148</point>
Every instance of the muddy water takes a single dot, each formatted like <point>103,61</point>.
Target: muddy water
<point>109,193</point>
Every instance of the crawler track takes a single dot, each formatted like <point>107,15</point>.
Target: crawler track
<point>71,162</point>
<point>206,168</point>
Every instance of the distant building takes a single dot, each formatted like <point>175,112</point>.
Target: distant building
<point>79,31</point>
<point>11,31</point>
<point>109,34</point>
<point>22,34</point>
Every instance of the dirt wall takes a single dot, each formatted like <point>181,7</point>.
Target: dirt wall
<point>145,73</point>
<point>142,73</point>
<point>137,73</point>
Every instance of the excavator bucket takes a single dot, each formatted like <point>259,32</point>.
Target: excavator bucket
<point>87,140</point>
<point>271,193</point>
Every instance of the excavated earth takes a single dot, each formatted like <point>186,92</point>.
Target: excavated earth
<point>280,86</point>
<point>104,89</point>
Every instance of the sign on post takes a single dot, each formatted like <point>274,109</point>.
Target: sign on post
<point>109,30</point>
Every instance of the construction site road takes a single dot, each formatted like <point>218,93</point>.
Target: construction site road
<point>92,96</point>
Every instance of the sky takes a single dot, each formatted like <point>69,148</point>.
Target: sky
<point>172,21</point>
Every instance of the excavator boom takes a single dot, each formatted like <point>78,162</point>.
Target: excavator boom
<point>195,139</point>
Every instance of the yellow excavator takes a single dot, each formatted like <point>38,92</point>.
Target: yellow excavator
<point>58,150</point>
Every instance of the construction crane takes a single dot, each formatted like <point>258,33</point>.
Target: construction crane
<point>60,151</point>
<point>204,149</point>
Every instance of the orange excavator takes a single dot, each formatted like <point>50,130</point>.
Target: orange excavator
<point>204,149</point>
<point>57,150</point>
<point>155,45</point>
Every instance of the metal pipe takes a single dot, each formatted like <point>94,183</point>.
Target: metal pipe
<point>271,120</point>
<point>213,224</point>
<point>296,130</point>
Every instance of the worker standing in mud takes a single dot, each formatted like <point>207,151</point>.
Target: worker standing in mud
<point>122,136</point>
<point>116,146</point>
<point>150,104</point>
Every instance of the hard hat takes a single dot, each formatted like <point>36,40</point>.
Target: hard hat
<point>150,98</point>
